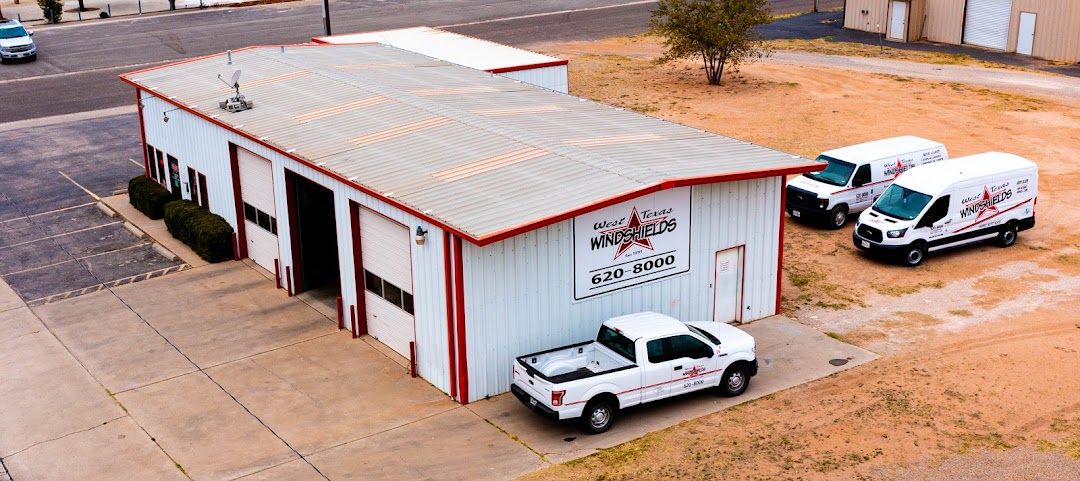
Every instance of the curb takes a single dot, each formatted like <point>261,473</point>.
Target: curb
<point>168,254</point>
<point>106,210</point>
<point>135,230</point>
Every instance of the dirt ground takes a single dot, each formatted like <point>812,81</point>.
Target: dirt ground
<point>981,369</point>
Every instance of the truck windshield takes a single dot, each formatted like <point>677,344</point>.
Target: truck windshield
<point>901,202</point>
<point>706,334</point>
<point>837,173</point>
<point>617,342</point>
<point>13,32</point>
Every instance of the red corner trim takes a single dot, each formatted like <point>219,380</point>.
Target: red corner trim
<point>142,131</point>
<point>459,291</point>
<point>530,66</point>
<point>238,200</point>
<point>358,268</point>
<point>449,273</point>
<point>780,243</point>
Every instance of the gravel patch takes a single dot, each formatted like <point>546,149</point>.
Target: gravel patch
<point>1010,465</point>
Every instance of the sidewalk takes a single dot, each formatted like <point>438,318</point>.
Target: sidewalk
<point>30,14</point>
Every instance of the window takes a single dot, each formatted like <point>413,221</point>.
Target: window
<point>191,185</point>
<point>703,333</point>
<point>901,202</point>
<point>836,173</point>
<point>391,293</point>
<point>151,162</point>
<point>688,346</point>
<point>656,351</point>
<point>259,218</point>
<point>617,342</point>
<point>204,199</point>
<point>862,176</point>
<point>161,166</point>
<point>936,212</point>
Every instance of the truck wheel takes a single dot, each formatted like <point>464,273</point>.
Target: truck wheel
<point>1007,236</point>
<point>598,416</point>
<point>915,255</point>
<point>735,381</point>
<point>838,216</point>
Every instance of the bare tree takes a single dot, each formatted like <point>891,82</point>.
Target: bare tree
<point>721,32</point>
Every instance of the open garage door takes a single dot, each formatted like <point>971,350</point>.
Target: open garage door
<point>986,23</point>
<point>387,256</point>
<point>260,214</point>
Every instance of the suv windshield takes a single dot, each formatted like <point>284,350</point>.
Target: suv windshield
<point>901,202</point>
<point>837,173</point>
<point>617,342</point>
<point>12,32</point>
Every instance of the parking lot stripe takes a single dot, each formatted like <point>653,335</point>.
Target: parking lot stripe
<point>60,235</point>
<point>113,283</point>
<point>76,259</point>
<point>134,162</point>
<point>47,212</point>
<point>80,186</point>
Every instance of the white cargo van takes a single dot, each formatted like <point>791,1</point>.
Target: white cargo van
<point>855,177</point>
<point>950,204</point>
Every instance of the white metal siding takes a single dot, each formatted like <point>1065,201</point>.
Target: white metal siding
<point>519,292</point>
<point>257,189</point>
<point>386,253</point>
<point>205,147</point>
<point>553,78</point>
<point>986,23</point>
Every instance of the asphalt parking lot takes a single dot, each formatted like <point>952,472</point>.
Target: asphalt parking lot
<point>54,241</point>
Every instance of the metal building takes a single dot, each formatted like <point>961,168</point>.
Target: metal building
<point>1040,28</point>
<point>465,218</point>
<point>529,67</point>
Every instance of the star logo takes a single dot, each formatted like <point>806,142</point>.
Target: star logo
<point>985,199</point>
<point>899,169</point>
<point>632,239</point>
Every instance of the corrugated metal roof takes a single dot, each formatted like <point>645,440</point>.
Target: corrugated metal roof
<point>480,154</point>
<point>455,48</point>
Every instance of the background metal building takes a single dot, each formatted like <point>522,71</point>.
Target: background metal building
<point>516,193</point>
<point>1040,28</point>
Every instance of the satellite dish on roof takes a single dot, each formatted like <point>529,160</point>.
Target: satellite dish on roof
<point>235,77</point>
<point>236,103</point>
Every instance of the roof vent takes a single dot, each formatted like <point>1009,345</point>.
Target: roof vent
<point>236,103</point>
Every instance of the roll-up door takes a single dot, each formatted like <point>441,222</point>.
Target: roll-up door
<point>986,23</point>
<point>387,257</point>
<point>260,214</point>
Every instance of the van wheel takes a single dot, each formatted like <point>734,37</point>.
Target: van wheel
<point>915,255</point>
<point>1007,236</point>
<point>598,416</point>
<point>838,217</point>
<point>735,380</point>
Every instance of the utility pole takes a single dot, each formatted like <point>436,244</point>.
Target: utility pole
<point>815,6</point>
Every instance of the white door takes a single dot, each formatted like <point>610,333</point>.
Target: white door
<point>1026,36</point>
<point>260,214</point>
<point>387,257</point>
<point>986,23</point>
<point>656,375</point>
<point>727,285</point>
<point>899,17</point>
<point>693,368</point>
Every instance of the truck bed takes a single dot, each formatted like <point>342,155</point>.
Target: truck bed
<point>573,362</point>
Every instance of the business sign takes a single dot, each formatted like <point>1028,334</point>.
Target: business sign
<point>631,243</point>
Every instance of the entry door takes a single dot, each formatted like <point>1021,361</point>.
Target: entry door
<point>386,251</point>
<point>727,286</point>
<point>1026,37</point>
<point>260,214</point>
<point>899,16</point>
<point>174,176</point>
<point>658,372</point>
<point>986,23</point>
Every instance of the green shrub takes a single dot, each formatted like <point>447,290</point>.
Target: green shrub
<point>149,196</point>
<point>51,10</point>
<point>208,234</point>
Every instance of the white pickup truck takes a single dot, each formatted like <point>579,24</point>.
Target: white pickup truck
<point>636,358</point>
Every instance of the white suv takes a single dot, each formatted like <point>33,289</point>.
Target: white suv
<point>15,41</point>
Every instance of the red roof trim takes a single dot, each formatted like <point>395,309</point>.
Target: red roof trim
<point>530,66</point>
<point>505,233</point>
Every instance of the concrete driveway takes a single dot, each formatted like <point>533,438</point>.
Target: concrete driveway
<point>213,374</point>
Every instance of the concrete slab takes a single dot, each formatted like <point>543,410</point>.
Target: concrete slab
<point>329,391</point>
<point>17,322</point>
<point>44,392</point>
<point>113,451</point>
<point>455,445</point>
<point>223,312</point>
<point>789,354</point>
<point>8,298</point>
<point>203,429</point>
<point>155,229</point>
<point>298,470</point>
<point>112,342</point>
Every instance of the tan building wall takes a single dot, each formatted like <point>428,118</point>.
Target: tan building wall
<point>916,18</point>
<point>1057,28</point>
<point>944,21</point>
<point>867,15</point>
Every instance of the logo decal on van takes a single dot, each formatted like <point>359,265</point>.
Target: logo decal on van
<point>986,203</point>
<point>896,170</point>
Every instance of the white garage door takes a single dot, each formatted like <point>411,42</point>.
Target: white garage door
<point>260,215</point>
<point>387,258</point>
<point>986,23</point>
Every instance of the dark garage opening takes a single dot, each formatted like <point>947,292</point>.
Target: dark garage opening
<point>315,247</point>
